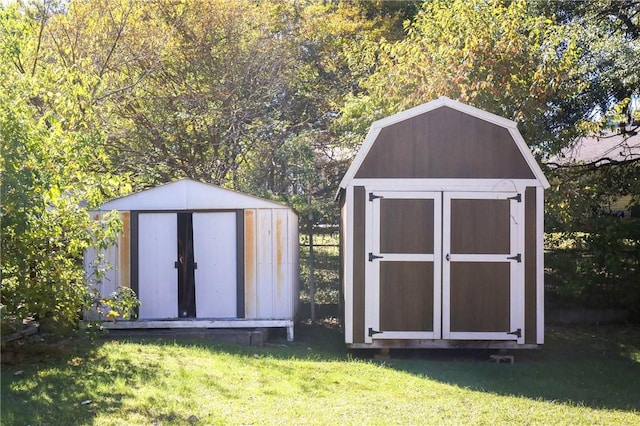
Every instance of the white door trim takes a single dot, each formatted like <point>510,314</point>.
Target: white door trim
<point>516,267</point>
<point>372,269</point>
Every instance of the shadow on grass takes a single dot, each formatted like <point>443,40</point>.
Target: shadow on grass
<point>596,367</point>
<point>54,383</point>
<point>593,367</point>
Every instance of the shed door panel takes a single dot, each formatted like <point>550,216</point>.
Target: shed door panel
<point>480,226</point>
<point>216,281</point>
<point>403,266</point>
<point>396,236</point>
<point>406,287</point>
<point>157,278</point>
<point>483,285</point>
<point>480,297</point>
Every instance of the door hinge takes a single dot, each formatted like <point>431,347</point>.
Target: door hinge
<point>517,333</point>
<point>517,257</point>
<point>372,332</point>
<point>517,197</point>
<point>373,256</point>
<point>372,196</point>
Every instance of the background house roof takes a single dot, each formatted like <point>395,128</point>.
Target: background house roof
<point>608,148</point>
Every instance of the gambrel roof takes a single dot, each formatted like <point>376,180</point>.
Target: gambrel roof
<point>444,139</point>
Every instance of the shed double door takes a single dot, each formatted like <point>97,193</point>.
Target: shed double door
<point>187,266</point>
<point>444,265</point>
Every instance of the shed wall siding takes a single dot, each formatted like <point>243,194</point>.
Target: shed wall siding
<point>358,263</point>
<point>530,266</point>
<point>250,264</point>
<point>293,260</point>
<point>271,279</point>
<point>124,251</point>
<point>444,143</point>
<point>265,265</point>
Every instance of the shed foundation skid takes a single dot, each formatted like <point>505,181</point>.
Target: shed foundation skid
<point>441,344</point>
<point>442,233</point>
<point>198,327</point>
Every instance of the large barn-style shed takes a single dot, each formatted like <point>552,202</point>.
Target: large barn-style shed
<point>198,255</point>
<point>442,233</point>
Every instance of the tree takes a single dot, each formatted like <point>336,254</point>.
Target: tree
<point>49,144</point>
<point>559,69</point>
<point>608,65</point>
<point>494,55</point>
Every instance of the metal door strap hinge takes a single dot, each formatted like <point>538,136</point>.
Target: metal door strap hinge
<point>372,196</point>
<point>517,257</point>
<point>518,198</point>
<point>517,333</point>
<point>373,256</point>
<point>372,332</point>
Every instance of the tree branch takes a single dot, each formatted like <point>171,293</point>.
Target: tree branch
<point>43,20</point>
<point>600,162</point>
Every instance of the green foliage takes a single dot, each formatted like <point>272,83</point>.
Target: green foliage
<point>273,98</point>
<point>558,75</point>
<point>121,303</point>
<point>326,268</point>
<point>49,153</point>
<point>594,257</point>
<point>495,55</point>
<point>610,55</point>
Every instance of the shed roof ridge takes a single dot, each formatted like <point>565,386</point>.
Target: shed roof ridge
<point>444,101</point>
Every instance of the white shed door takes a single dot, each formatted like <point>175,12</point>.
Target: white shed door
<point>157,285</point>
<point>403,268</point>
<point>214,250</point>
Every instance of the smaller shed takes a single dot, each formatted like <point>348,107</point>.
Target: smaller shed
<point>442,233</point>
<point>200,256</point>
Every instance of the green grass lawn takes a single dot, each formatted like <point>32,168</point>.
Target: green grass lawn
<point>581,376</point>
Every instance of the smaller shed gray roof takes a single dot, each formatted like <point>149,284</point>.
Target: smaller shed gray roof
<point>187,194</point>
